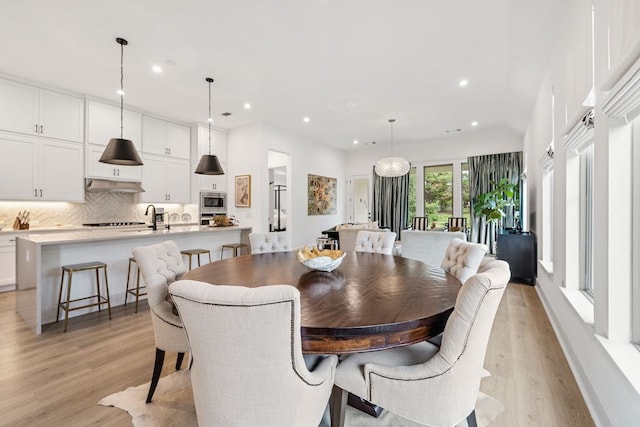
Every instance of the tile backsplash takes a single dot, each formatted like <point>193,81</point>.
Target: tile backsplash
<point>97,207</point>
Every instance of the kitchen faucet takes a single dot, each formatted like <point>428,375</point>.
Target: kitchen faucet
<point>168,226</point>
<point>154,226</point>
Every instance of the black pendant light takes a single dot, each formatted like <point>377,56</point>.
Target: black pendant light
<point>121,151</point>
<point>209,163</point>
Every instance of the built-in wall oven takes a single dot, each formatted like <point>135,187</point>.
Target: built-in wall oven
<point>212,204</point>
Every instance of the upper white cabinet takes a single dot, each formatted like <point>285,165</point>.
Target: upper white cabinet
<point>35,111</point>
<point>165,138</point>
<point>165,180</point>
<point>95,169</point>
<point>201,147</point>
<point>40,169</point>
<point>103,123</point>
<point>218,143</point>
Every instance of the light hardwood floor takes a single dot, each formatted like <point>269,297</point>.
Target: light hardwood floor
<point>57,378</point>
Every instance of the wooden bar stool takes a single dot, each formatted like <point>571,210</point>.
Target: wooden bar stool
<point>136,290</point>
<point>198,252</point>
<point>66,305</point>
<point>235,247</point>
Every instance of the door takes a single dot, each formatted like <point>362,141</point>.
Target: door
<point>360,200</point>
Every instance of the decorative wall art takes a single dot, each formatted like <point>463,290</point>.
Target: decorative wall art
<point>321,195</point>
<point>243,191</point>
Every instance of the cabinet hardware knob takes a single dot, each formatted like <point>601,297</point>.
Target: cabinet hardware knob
<point>36,128</point>
<point>41,129</point>
<point>35,192</point>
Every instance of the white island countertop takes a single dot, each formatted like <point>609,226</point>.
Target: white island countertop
<point>108,233</point>
<point>40,256</point>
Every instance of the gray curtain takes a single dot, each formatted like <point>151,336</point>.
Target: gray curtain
<point>391,202</point>
<point>483,172</point>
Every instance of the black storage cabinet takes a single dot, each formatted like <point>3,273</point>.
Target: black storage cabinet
<point>520,251</point>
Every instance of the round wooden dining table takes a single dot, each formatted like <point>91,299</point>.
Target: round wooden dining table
<point>370,302</point>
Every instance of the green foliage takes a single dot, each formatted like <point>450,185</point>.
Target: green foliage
<point>491,205</point>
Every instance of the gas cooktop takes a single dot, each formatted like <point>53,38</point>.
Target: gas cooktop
<point>112,224</point>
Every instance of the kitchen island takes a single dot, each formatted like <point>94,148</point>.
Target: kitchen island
<point>40,256</point>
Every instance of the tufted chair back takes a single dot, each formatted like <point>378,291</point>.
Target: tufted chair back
<point>248,368</point>
<point>462,259</point>
<point>161,264</point>
<point>380,242</point>
<point>274,241</point>
<point>420,223</point>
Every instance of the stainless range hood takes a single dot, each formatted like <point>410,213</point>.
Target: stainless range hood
<point>114,186</point>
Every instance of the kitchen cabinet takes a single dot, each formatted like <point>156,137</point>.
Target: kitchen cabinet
<point>95,169</point>
<point>519,251</point>
<point>34,111</point>
<point>7,260</point>
<point>165,138</point>
<point>200,146</point>
<point>41,169</point>
<point>165,180</point>
<point>103,123</point>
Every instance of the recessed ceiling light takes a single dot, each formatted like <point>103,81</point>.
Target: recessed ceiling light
<point>210,119</point>
<point>247,106</point>
<point>120,92</point>
<point>355,141</point>
<point>463,83</point>
<point>156,69</point>
<point>306,119</point>
<point>474,123</point>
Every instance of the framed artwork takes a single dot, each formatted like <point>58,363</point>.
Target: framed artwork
<point>243,191</point>
<point>322,195</point>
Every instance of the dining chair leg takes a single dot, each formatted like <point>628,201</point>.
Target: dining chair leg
<point>179,361</point>
<point>157,370</point>
<point>338,406</point>
<point>471,419</point>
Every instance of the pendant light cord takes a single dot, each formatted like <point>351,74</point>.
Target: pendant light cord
<point>391,121</point>
<point>209,119</point>
<point>121,90</point>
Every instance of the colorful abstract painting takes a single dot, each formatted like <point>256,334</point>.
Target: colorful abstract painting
<point>322,195</point>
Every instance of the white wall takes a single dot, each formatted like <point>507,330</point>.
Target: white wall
<point>248,154</point>
<point>467,144</point>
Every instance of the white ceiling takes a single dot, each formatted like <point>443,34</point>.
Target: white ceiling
<point>347,64</point>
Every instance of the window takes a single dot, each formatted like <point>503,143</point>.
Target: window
<point>547,215</point>
<point>438,193</point>
<point>412,193</point>
<point>586,220</point>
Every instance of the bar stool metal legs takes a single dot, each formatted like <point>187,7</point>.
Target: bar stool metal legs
<point>235,247</point>
<point>66,305</point>
<point>135,291</point>
<point>191,252</point>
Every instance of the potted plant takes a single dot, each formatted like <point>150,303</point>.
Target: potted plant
<point>492,205</point>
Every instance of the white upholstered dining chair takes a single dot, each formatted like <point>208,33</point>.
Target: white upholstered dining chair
<point>273,241</point>
<point>160,265</point>
<point>462,259</point>
<point>247,363</point>
<point>435,386</point>
<point>380,242</point>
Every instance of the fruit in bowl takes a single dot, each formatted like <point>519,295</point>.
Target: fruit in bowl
<point>322,260</point>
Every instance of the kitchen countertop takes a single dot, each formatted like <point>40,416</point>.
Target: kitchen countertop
<point>110,233</point>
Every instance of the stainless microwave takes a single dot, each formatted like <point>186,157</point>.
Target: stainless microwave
<point>211,202</point>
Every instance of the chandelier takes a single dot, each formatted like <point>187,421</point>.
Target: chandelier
<point>392,166</point>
